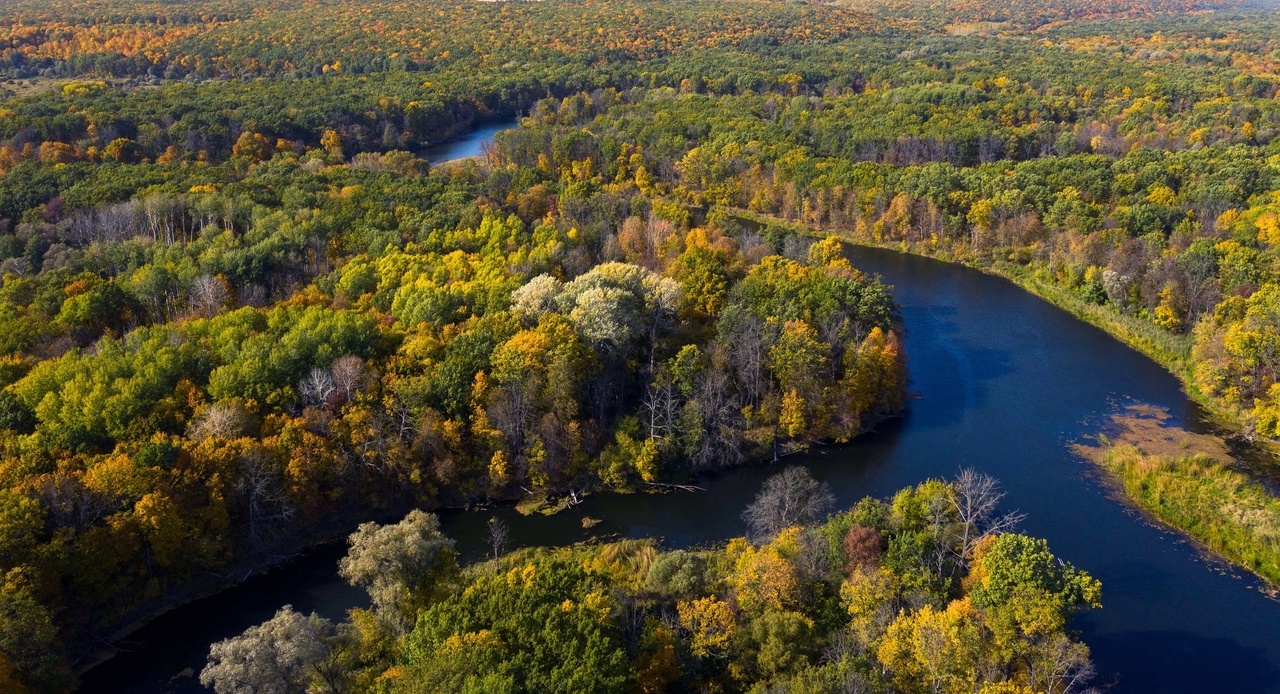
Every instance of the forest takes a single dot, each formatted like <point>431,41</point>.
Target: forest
<point>241,313</point>
<point>929,591</point>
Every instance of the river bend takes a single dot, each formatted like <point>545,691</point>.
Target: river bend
<point>1005,382</point>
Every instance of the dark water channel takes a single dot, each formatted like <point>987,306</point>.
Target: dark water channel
<point>1006,381</point>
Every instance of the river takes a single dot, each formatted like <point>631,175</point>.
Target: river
<point>1005,381</point>
<point>469,145</point>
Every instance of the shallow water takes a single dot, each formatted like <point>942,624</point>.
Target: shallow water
<point>1005,382</point>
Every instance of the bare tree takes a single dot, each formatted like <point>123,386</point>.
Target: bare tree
<point>267,509</point>
<point>796,247</point>
<point>71,504</point>
<point>661,407</point>
<point>165,219</point>
<point>791,497</point>
<point>841,645</point>
<point>656,230</point>
<point>976,501</point>
<point>497,537</point>
<point>221,419</point>
<point>749,348</point>
<point>833,330</point>
<point>512,409</point>
<point>1061,666</point>
<point>15,266</point>
<point>317,387</point>
<point>110,223</point>
<point>375,447</point>
<point>846,680</point>
<point>208,295</point>
<point>348,374</point>
<point>402,419</point>
<point>720,415</point>
<point>661,301</point>
<point>253,295</point>
<point>280,656</point>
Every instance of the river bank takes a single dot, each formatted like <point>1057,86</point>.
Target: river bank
<point>1188,478</point>
<point>1005,381</point>
<point>1173,352</point>
<point>1187,481</point>
<point>468,142</point>
<point>211,584</point>
<point>321,554</point>
<point>331,541</point>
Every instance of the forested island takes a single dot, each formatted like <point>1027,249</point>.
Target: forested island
<point>242,314</point>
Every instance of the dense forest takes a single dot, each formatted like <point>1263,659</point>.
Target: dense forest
<point>240,312</point>
<point>214,374</point>
<point>929,591</point>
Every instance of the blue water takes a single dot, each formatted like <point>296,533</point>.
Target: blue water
<point>1005,383</point>
<point>469,145</point>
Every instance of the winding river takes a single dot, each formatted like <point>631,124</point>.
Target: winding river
<point>1006,382</point>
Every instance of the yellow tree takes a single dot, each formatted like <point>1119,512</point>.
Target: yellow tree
<point>791,417</point>
<point>252,146</point>
<point>161,526</point>
<point>711,624</point>
<point>933,650</point>
<point>768,577</point>
<point>869,597</point>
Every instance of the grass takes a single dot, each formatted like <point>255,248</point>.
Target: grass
<point>531,504</point>
<point>1217,506</point>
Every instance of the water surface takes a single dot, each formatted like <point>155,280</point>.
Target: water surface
<point>1006,381</point>
<point>469,145</point>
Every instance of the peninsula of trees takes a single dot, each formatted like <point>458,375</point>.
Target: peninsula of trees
<point>929,591</point>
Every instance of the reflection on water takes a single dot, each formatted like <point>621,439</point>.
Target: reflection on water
<point>1006,381</point>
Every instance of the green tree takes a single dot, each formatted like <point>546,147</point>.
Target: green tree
<point>404,566</point>
<point>541,626</point>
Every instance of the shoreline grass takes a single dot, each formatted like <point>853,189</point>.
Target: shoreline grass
<point>1220,508</point>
